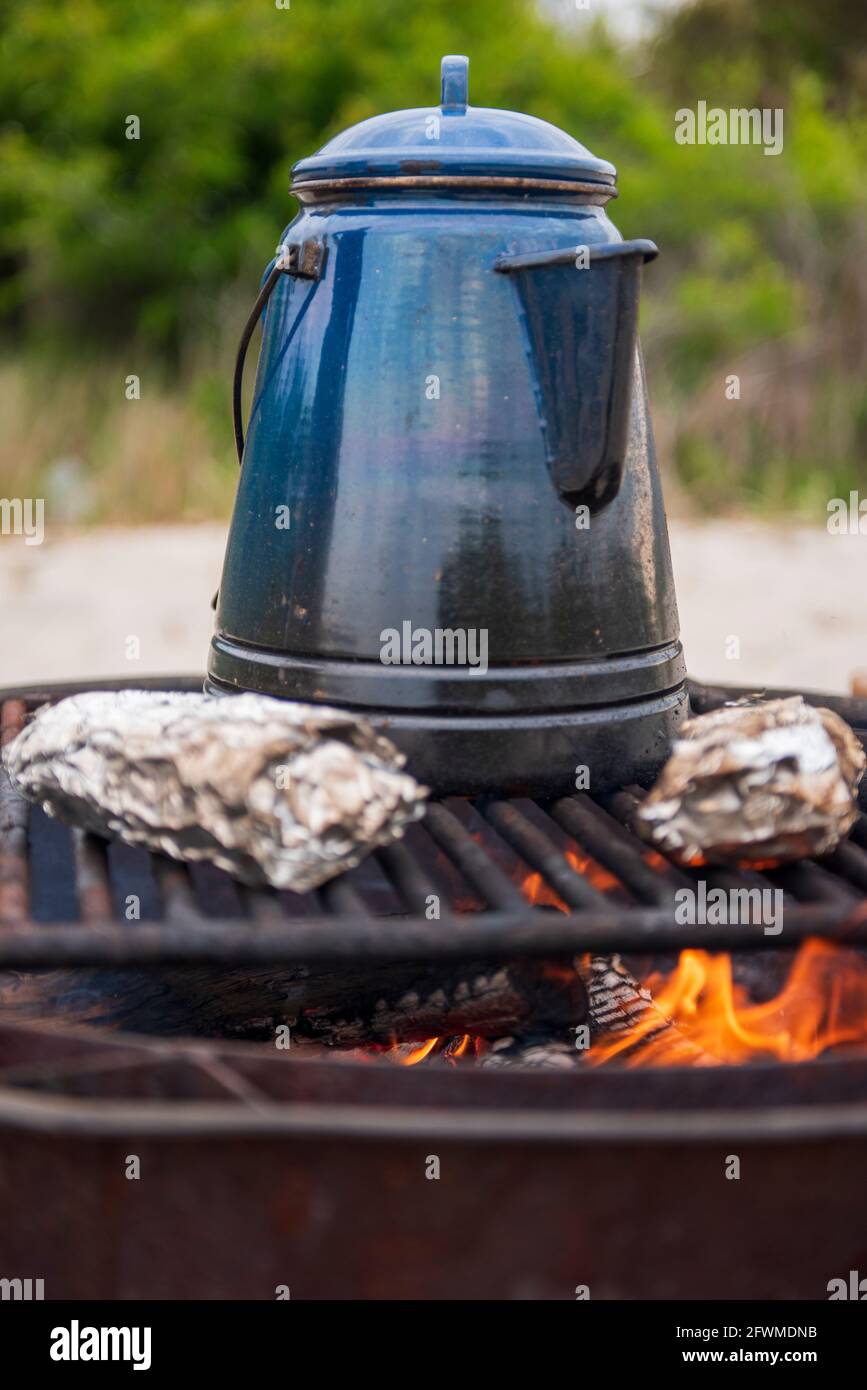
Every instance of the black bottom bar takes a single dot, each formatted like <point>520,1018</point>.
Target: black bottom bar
<point>260,1342</point>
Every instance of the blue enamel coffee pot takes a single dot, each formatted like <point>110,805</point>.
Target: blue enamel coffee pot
<point>449,517</point>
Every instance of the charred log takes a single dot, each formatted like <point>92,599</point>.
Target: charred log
<point>619,1006</point>
<point>342,1008</point>
<point>482,1000</point>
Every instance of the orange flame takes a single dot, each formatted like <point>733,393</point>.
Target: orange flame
<point>418,1054</point>
<point>455,1049</point>
<point>822,1004</point>
<point>537,891</point>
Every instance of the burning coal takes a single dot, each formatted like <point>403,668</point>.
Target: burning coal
<point>697,1014</point>
<point>823,1004</point>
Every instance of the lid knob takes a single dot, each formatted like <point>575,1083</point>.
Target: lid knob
<point>455,84</point>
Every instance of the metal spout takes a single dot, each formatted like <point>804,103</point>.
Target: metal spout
<point>579,310</point>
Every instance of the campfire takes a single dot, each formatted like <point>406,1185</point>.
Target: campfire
<point>508,979</point>
<point>821,1005</point>
<point>479,886</point>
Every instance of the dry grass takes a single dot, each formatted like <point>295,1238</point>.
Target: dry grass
<point>795,438</point>
<point>71,435</point>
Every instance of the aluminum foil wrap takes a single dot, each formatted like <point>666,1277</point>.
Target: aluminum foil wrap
<point>273,792</point>
<point>758,783</point>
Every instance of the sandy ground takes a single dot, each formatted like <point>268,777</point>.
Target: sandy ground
<point>792,597</point>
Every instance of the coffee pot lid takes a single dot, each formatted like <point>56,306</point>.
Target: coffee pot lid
<point>454,141</point>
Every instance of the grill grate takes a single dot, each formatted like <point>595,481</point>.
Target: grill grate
<point>65,896</point>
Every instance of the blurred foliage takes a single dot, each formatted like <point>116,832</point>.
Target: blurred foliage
<point>145,252</point>
<point>777,41</point>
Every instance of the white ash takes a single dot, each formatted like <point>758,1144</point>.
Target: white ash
<point>271,791</point>
<point>771,781</point>
<point>545,1054</point>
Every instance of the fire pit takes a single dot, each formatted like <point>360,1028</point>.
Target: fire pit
<point>401,1085</point>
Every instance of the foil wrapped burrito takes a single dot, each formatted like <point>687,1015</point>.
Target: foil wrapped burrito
<point>273,792</point>
<point>760,783</point>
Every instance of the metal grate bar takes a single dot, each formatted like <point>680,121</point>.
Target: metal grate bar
<point>621,807</point>
<point>541,854</point>
<point>625,803</point>
<point>474,936</point>
<point>176,890</point>
<point>352,917</point>
<point>849,862</point>
<point>410,878</point>
<point>731,880</point>
<point>341,898</point>
<point>263,904</point>
<point>810,883</point>
<point>91,877</point>
<point>481,872</point>
<point>620,852</point>
<point>14,820</point>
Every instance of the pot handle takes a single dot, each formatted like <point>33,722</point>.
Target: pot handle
<point>567,255</point>
<point>305,261</point>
